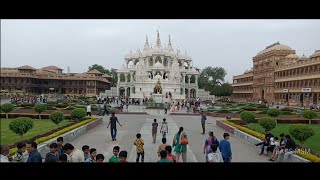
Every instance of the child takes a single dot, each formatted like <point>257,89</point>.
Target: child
<point>170,157</point>
<point>213,156</point>
<point>162,146</point>
<point>154,130</point>
<point>163,155</point>
<point>60,145</point>
<point>85,150</point>
<point>164,128</point>
<point>115,158</point>
<point>91,158</point>
<point>52,156</point>
<point>139,144</point>
<point>123,156</point>
<point>20,154</point>
<point>99,158</point>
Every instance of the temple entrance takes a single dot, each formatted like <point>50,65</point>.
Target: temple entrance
<point>314,98</point>
<point>262,94</point>
<point>121,91</point>
<point>301,99</point>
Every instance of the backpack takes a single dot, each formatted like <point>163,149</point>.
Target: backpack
<point>215,141</point>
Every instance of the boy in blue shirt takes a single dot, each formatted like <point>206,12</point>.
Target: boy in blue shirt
<point>225,148</point>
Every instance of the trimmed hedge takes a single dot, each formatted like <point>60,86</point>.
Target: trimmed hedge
<point>274,112</point>
<point>267,123</point>
<point>248,117</point>
<point>32,116</point>
<point>286,113</point>
<point>287,109</point>
<point>223,111</point>
<point>249,108</point>
<point>78,113</point>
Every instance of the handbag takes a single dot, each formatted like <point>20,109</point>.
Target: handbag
<point>184,140</point>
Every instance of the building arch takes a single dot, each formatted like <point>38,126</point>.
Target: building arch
<point>193,93</point>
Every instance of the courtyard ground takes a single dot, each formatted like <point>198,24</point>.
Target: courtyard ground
<point>100,137</point>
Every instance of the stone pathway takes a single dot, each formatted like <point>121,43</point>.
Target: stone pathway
<point>100,138</point>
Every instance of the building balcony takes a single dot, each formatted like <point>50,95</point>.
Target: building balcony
<point>242,84</point>
<point>242,91</point>
<point>296,90</point>
<point>297,77</point>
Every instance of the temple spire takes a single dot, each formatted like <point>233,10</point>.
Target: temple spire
<point>146,45</point>
<point>169,44</point>
<point>158,40</point>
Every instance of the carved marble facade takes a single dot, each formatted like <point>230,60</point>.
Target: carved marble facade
<point>141,70</point>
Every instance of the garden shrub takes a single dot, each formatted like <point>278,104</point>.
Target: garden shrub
<point>267,123</point>
<point>247,117</point>
<point>21,126</point>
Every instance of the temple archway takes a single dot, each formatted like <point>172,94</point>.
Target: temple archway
<point>165,62</point>
<point>122,78</point>
<point>121,91</point>
<point>186,91</point>
<point>193,79</point>
<point>193,93</point>
<point>128,92</point>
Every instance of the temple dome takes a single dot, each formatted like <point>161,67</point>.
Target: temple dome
<point>275,47</point>
<point>292,56</point>
<point>315,54</point>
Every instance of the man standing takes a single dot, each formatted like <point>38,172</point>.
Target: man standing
<point>166,106</point>
<point>88,110</point>
<point>113,121</point>
<point>34,155</point>
<point>225,148</point>
<point>203,122</point>
<point>154,130</point>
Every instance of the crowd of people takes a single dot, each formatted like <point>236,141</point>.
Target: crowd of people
<point>281,148</point>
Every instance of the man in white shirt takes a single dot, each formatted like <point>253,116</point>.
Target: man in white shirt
<point>76,155</point>
<point>4,154</point>
<point>89,110</point>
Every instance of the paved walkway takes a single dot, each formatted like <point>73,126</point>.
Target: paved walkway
<point>100,138</point>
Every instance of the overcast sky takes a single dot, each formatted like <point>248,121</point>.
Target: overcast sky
<point>80,43</point>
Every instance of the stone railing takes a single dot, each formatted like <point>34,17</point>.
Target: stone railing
<point>253,140</point>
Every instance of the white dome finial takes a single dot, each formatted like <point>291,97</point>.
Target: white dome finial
<point>158,40</point>
<point>169,44</point>
<point>146,45</point>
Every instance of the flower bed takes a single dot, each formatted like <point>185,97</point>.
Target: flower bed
<point>55,134</point>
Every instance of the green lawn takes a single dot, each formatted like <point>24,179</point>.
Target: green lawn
<point>312,143</point>
<point>39,127</point>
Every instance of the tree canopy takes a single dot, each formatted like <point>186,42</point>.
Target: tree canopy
<point>211,79</point>
<point>112,72</point>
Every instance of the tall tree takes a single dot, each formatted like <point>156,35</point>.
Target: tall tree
<point>210,77</point>
<point>99,68</point>
<point>113,74</point>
